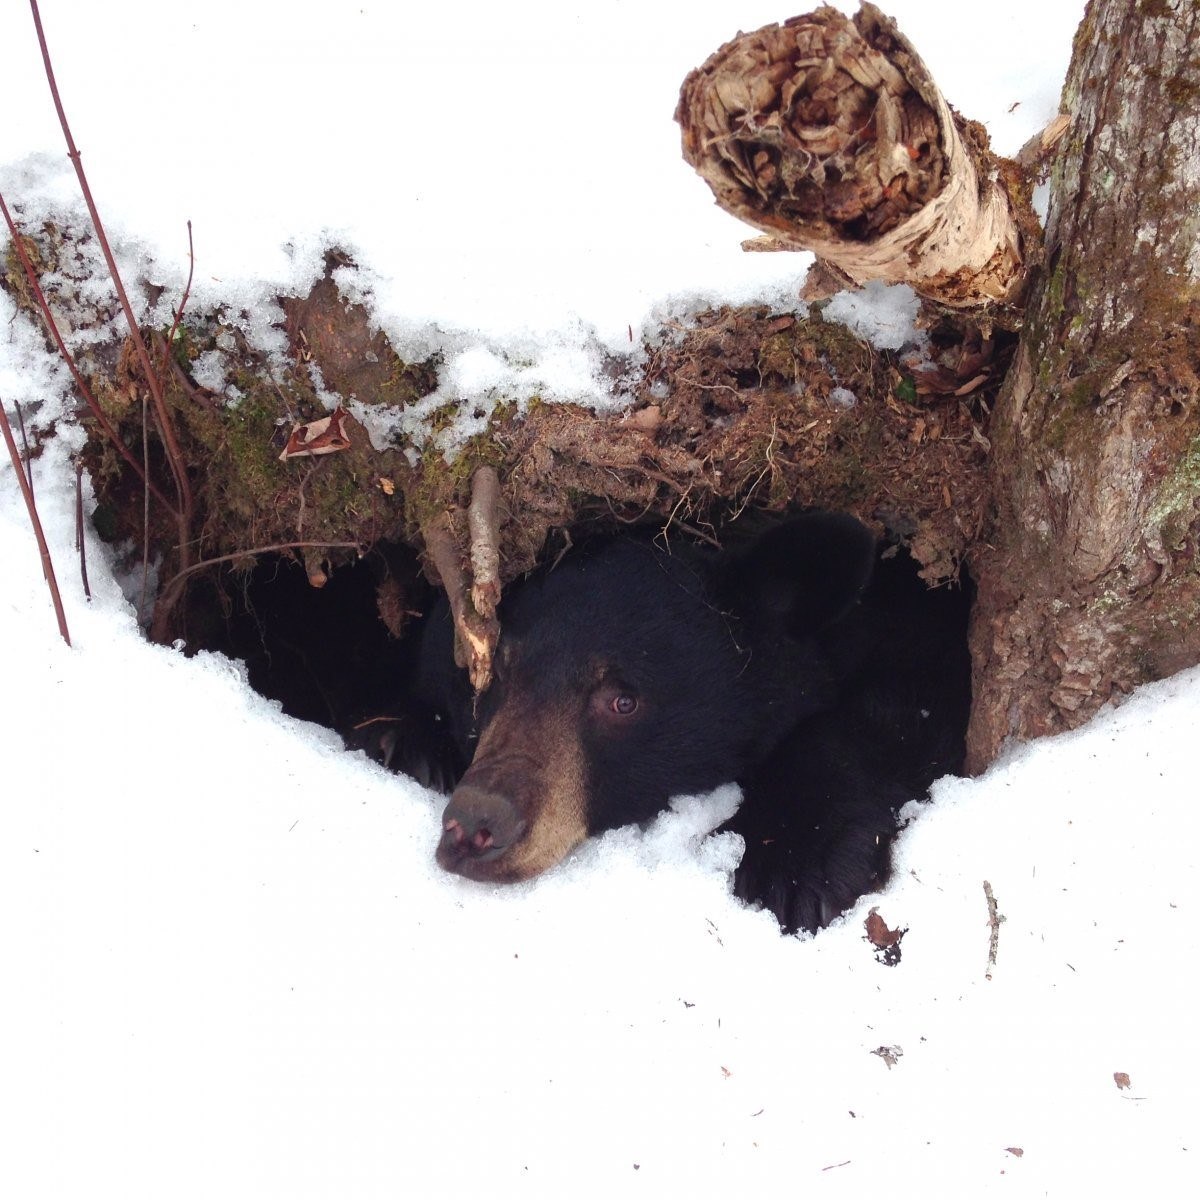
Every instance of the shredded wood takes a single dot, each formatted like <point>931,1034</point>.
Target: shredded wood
<point>476,634</point>
<point>483,522</point>
<point>829,134</point>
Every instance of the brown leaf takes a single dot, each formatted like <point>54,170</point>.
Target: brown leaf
<point>1121,1080</point>
<point>326,436</point>
<point>886,941</point>
<point>890,1055</point>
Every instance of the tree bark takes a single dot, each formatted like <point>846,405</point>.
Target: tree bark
<point>1090,584</point>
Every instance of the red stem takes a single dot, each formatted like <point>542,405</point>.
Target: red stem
<point>31,508</point>
<point>80,540</point>
<point>166,426</point>
<point>187,291</point>
<point>84,391</point>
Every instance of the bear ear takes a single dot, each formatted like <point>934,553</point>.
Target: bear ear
<point>802,575</point>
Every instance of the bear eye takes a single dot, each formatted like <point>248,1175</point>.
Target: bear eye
<point>623,705</point>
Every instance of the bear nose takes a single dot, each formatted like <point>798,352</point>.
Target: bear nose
<point>477,824</point>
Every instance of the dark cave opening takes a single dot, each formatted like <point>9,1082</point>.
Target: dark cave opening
<point>330,654</point>
<point>340,655</point>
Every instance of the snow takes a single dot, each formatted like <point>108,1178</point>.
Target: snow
<point>230,964</point>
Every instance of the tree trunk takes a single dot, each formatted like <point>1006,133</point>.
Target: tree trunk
<point>1090,586</point>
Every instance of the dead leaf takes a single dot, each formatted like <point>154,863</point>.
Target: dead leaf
<point>890,1055</point>
<point>1121,1080</point>
<point>326,436</point>
<point>886,941</point>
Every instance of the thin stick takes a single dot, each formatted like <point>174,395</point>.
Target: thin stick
<point>477,635</point>
<point>84,391</point>
<point>141,609</point>
<point>31,508</point>
<point>26,457</point>
<point>80,540</point>
<point>995,920</point>
<point>483,524</point>
<point>187,291</point>
<point>256,550</point>
<point>183,487</point>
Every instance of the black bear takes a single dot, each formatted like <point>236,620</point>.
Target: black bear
<point>812,667</point>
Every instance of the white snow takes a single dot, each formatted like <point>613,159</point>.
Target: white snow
<point>228,964</point>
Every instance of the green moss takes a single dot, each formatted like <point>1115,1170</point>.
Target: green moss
<point>1174,507</point>
<point>782,355</point>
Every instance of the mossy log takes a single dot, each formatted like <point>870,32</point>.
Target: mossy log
<point>1090,584</point>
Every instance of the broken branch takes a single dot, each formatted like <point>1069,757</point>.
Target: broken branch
<point>483,526</point>
<point>830,135</point>
<point>477,631</point>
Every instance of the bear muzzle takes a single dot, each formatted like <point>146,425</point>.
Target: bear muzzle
<point>521,807</point>
<point>479,827</point>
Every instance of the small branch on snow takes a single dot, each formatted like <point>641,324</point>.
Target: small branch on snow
<point>995,920</point>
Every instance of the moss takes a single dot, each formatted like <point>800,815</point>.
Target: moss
<point>1174,507</point>
<point>14,280</point>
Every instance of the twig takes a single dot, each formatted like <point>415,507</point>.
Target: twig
<point>253,552</point>
<point>187,291</point>
<point>194,393</point>
<point>483,524</point>
<point>995,919</point>
<point>35,520</point>
<point>84,391</point>
<point>186,508</point>
<point>26,457</point>
<point>80,540</point>
<point>477,635</point>
<point>141,609</point>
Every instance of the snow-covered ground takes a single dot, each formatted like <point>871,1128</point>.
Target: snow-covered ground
<point>228,964</point>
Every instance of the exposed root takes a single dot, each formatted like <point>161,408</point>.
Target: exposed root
<point>483,524</point>
<point>476,635</point>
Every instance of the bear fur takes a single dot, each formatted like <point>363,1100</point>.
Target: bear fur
<point>812,667</point>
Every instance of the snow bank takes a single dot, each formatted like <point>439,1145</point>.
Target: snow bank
<point>230,966</point>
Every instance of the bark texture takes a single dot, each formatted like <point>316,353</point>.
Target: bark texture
<point>1090,586</point>
<point>830,135</point>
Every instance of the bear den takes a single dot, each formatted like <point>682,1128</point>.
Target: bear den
<point>811,666</point>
